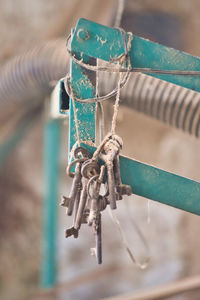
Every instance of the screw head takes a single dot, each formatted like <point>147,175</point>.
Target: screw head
<point>83,34</point>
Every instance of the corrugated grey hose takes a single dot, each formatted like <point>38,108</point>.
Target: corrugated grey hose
<point>177,106</point>
<point>28,79</point>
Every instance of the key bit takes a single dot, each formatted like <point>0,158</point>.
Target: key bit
<point>124,189</point>
<point>95,197</point>
<point>64,201</point>
<point>71,231</point>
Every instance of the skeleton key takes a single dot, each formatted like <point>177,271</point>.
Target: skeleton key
<point>88,170</point>
<point>76,203</point>
<point>95,197</point>
<point>97,251</point>
<point>111,150</point>
<point>73,200</point>
<point>84,153</point>
<point>122,189</point>
<point>81,206</point>
<point>74,195</point>
<point>76,187</point>
<point>98,239</point>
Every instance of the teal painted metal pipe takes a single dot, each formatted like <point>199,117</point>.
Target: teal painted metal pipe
<point>52,139</point>
<point>84,88</point>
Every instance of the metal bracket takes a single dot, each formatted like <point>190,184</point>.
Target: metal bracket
<point>94,40</point>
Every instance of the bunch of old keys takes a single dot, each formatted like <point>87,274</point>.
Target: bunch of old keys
<point>85,201</point>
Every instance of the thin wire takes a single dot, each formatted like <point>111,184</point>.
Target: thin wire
<point>131,70</point>
<point>127,70</point>
<point>125,242</point>
<point>67,85</point>
<point>120,58</point>
<point>99,109</point>
<point>134,70</point>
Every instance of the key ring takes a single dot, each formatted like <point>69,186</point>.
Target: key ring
<point>90,168</point>
<point>93,178</point>
<point>84,152</point>
<point>78,160</point>
<point>99,178</point>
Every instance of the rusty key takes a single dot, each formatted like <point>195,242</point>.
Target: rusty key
<point>82,204</point>
<point>122,189</point>
<point>95,197</point>
<point>110,151</point>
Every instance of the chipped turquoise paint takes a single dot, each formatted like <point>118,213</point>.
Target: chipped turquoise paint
<point>52,140</point>
<point>106,42</point>
<point>83,88</point>
<point>156,184</point>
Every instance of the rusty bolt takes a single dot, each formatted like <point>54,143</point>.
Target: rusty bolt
<point>83,34</point>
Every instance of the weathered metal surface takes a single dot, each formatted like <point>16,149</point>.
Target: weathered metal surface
<point>83,88</point>
<point>156,184</point>
<point>106,43</point>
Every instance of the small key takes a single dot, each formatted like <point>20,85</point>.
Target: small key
<point>94,207</point>
<point>88,170</point>
<point>98,240</point>
<point>111,150</point>
<point>76,203</point>
<point>76,186</point>
<point>111,185</point>
<point>82,204</point>
<point>97,251</point>
<point>122,189</point>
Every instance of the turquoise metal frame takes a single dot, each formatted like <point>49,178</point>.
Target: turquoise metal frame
<point>94,40</point>
<point>52,141</point>
<point>84,88</point>
<point>105,43</point>
<point>158,185</point>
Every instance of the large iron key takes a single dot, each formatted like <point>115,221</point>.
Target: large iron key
<point>110,151</point>
<point>122,189</point>
<point>82,204</point>
<point>95,197</point>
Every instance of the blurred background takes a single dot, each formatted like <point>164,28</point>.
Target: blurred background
<point>33,58</point>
